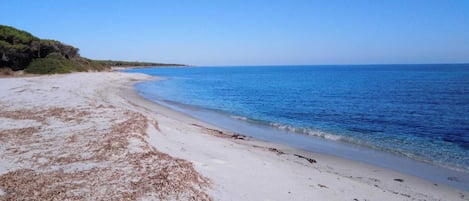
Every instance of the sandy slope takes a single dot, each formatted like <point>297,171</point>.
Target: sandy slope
<point>89,136</point>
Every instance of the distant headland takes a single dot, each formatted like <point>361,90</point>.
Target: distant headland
<point>22,51</point>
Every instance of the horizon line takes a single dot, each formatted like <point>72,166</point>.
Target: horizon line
<point>375,64</point>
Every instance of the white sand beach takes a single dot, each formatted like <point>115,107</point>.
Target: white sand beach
<point>89,136</point>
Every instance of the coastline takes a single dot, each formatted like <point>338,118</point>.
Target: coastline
<point>322,145</point>
<point>236,167</point>
<point>121,68</point>
<point>361,170</point>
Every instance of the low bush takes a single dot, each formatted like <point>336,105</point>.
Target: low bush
<point>53,63</point>
<point>57,63</point>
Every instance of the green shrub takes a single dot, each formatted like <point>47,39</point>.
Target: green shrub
<point>52,63</point>
<point>90,65</point>
<point>15,36</point>
<point>56,63</point>
<point>19,48</point>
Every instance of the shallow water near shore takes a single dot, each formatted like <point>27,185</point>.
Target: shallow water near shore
<point>391,116</point>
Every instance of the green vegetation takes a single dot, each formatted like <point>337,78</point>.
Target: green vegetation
<point>134,63</point>
<point>20,50</point>
<point>57,63</point>
<point>15,36</point>
<point>52,63</point>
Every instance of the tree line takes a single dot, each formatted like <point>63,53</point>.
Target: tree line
<point>20,50</point>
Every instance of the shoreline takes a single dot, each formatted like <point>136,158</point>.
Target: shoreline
<point>458,178</point>
<point>313,144</point>
<point>223,165</point>
<point>389,118</point>
<point>280,148</point>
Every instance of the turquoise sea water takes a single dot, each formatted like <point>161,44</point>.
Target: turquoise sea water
<point>415,111</point>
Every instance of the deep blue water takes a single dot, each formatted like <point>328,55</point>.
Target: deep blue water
<point>416,111</point>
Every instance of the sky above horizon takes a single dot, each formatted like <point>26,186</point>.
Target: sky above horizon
<point>275,32</point>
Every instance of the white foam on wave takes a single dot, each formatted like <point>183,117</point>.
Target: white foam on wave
<point>307,131</point>
<point>239,117</point>
<point>334,137</point>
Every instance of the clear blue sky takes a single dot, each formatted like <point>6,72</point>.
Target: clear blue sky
<point>252,32</point>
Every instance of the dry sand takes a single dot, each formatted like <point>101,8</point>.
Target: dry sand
<point>89,136</point>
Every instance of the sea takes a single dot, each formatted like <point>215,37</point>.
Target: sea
<point>410,118</point>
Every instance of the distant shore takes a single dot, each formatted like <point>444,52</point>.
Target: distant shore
<point>114,63</point>
<point>107,141</point>
<point>119,68</point>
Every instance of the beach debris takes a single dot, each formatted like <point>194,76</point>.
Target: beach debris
<point>111,161</point>
<point>399,180</point>
<point>276,151</point>
<point>310,160</point>
<point>322,186</point>
<point>156,125</point>
<point>405,195</point>
<point>214,132</point>
<point>238,136</point>
<point>220,133</point>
